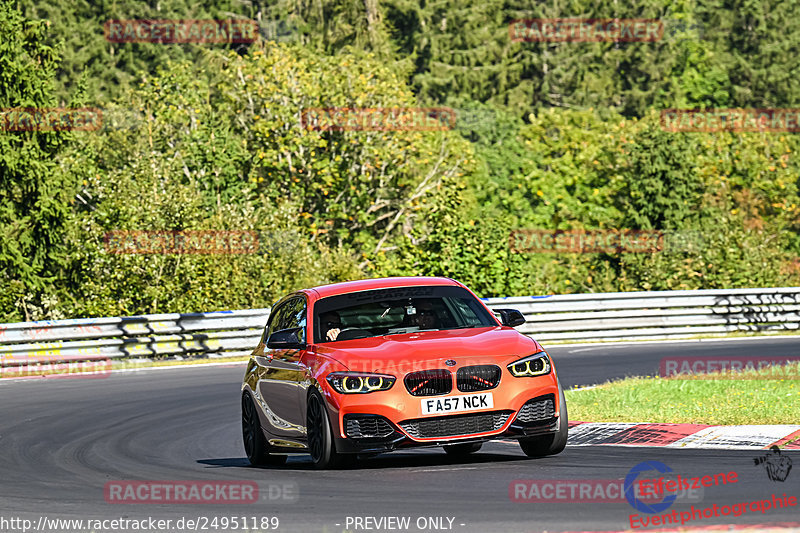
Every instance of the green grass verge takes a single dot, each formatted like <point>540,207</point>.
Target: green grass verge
<point>741,398</point>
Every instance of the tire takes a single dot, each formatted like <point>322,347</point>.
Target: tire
<point>462,450</point>
<point>255,444</point>
<point>554,443</point>
<point>320,437</point>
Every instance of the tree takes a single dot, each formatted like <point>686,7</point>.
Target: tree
<point>663,189</point>
<point>33,194</point>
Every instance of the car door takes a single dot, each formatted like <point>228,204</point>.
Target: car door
<point>282,374</point>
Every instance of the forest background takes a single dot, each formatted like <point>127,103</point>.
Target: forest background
<point>549,135</point>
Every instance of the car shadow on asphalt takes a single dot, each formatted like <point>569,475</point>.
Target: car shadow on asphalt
<point>404,460</point>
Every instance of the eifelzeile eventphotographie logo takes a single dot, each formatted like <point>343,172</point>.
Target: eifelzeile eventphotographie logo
<point>659,486</point>
<point>177,31</point>
<point>733,120</point>
<point>730,367</point>
<point>378,118</point>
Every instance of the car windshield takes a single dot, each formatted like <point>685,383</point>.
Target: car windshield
<point>396,311</point>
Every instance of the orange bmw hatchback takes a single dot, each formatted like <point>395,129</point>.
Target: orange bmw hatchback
<point>371,366</point>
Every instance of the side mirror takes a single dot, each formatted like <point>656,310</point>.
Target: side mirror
<point>510,317</point>
<point>288,339</point>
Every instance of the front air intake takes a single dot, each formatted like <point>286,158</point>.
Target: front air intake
<point>429,382</point>
<point>367,427</point>
<point>477,378</point>
<point>537,410</point>
<point>455,425</point>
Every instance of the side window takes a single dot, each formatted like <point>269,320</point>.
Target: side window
<point>295,315</point>
<point>466,311</point>
<point>291,314</point>
<point>275,319</point>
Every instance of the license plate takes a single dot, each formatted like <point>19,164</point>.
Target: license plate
<point>457,404</point>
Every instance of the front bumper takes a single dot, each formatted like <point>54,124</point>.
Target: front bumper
<point>393,419</point>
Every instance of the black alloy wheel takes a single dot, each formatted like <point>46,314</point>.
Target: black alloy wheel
<point>255,444</point>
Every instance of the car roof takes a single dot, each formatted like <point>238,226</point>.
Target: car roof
<point>323,291</point>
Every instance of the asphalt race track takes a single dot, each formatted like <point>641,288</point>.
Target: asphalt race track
<point>62,440</point>
<point>589,364</point>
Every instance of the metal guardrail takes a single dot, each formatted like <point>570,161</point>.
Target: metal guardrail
<point>219,334</point>
<point>655,315</point>
<point>572,317</point>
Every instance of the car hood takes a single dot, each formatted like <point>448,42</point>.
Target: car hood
<point>398,354</point>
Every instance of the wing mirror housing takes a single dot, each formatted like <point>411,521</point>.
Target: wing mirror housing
<point>510,317</point>
<point>288,339</point>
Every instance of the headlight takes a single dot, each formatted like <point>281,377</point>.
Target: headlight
<point>359,382</point>
<point>537,364</point>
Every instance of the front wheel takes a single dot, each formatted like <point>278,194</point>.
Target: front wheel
<point>320,438</point>
<point>554,443</point>
<point>255,444</point>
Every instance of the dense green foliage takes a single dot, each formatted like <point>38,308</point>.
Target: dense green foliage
<point>549,135</point>
<point>33,194</point>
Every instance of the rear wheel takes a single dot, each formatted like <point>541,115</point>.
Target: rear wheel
<point>255,444</point>
<point>462,450</point>
<point>320,437</point>
<point>554,443</point>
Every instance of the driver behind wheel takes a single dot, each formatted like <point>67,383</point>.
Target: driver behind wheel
<point>332,323</point>
<point>425,317</point>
